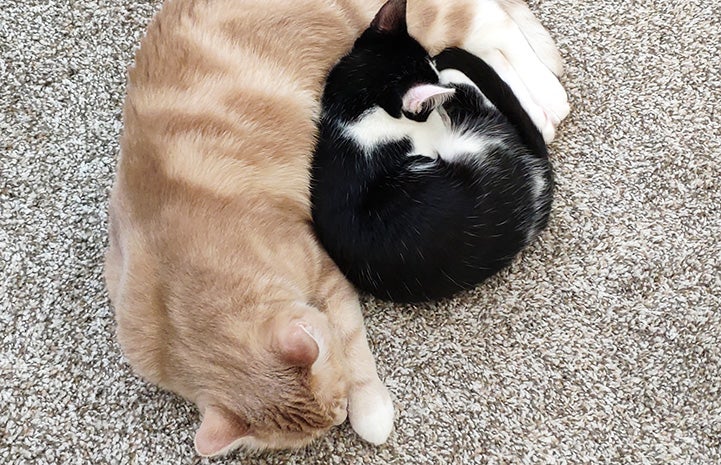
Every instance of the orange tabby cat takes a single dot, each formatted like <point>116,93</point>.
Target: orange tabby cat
<point>222,293</point>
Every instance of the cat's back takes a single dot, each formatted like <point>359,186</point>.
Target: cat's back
<point>222,94</point>
<point>218,118</point>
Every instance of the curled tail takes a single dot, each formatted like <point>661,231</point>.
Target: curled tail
<point>497,91</point>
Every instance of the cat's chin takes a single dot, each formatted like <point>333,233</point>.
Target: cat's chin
<point>253,444</point>
<point>371,418</point>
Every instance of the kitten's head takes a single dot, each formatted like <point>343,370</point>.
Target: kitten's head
<point>277,383</point>
<point>388,68</point>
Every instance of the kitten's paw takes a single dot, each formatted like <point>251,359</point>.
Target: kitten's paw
<point>370,410</point>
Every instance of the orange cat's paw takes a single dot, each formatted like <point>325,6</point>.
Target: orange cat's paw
<point>370,410</point>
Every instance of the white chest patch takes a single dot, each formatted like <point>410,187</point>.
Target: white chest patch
<point>432,138</point>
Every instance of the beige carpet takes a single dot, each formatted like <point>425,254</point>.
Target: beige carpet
<point>601,345</point>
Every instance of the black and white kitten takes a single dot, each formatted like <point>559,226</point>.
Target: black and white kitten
<point>426,178</point>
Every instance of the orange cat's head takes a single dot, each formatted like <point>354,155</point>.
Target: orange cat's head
<point>274,384</point>
<point>277,381</point>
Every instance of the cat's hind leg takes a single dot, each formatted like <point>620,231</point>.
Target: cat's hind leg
<point>536,35</point>
<point>545,122</point>
<point>498,39</point>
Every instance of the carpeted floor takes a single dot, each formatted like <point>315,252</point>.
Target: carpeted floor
<point>601,345</point>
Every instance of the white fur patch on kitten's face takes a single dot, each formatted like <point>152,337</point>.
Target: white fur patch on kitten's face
<point>426,97</point>
<point>431,138</point>
<point>453,76</point>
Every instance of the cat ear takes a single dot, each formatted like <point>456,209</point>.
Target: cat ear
<point>219,432</point>
<point>425,97</point>
<point>297,345</point>
<point>391,17</point>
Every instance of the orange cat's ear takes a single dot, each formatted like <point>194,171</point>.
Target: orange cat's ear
<point>391,18</point>
<point>219,432</point>
<point>297,345</point>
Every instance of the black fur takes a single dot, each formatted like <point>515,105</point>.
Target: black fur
<point>406,227</point>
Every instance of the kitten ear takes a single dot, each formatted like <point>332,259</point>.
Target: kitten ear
<point>425,97</point>
<point>219,432</point>
<point>297,345</point>
<point>391,17</point>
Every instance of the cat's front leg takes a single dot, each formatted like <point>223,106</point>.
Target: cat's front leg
<point>370,407</point>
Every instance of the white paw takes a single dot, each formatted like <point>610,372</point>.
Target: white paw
<point>554,100</point>
<point>536,35</point>
<point>554,114</point>
<point>547,52</point>
<point>552,108</point>
<point>548,129</point>
<point>370,410</point>
<point>545,122</point>
<point>548,93</point>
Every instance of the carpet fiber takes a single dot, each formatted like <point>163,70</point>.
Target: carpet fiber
<point>602,344</point>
